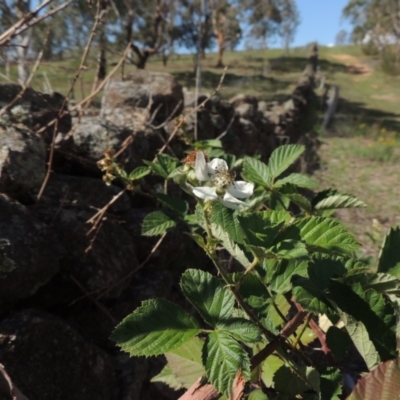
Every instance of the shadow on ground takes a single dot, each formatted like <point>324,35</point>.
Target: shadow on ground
<point>211,79</point>
<point>295,64</point>
<point>353,113</point>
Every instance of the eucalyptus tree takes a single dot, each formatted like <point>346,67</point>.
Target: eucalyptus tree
<point>290,20</point>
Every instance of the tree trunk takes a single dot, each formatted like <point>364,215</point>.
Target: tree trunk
<point>221,48</point>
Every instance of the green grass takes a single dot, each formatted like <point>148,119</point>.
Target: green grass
<point>360,154</point>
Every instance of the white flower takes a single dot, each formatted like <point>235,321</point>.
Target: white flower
<point>220,183</point>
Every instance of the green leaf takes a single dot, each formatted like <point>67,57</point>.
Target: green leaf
<point>211,298</point>
<point>337,341</point>
<point>156,327</point>
<point>290,249</point>
<point>295,382</point>
<point>300,200</point>
<point>256,171</point>
<point>178,205</point>
<point>226,219</point>
<point>324,233</point>
<point>370,308</point>
<point>233,249</point>
<point>269,368</point>
<point>331,383</point>
<point>156,223</point>
<point>273,318</point>
<point>322,269</point>
<point>382,283</point>
<point>282,158</point>
<point>241,329</point>
<point>299,180</point>
<point>309,295</point>
<point>164,165</point>
<point>389,257</point>
<point>223,358</point>
<point>276,217</point>
<point>359,335</point>
<point>184,365</point>
<point>382,383</point>
<point>258,394</point>
<point>139,173</point>
<point>205,144</point>
<point>332,200</point>
<point>258,231</point>
<point>281,279</point>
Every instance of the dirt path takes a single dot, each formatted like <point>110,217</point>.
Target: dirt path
<point>353,64</point>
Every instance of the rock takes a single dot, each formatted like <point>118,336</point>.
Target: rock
<point>246,110</point>
<point>29,254</point>
<point>22,160</point>
<point>262,106</point>
<point>121,99</point>
<point>93,136</point>
<point>244,99</point>
<point>84,192</point>
<point>96,261</point>
<point>48,360</point>
<point>41,108</point>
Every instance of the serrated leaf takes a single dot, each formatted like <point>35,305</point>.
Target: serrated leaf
<point>290,249</point>
<point>337,341</point>
<point>257,230</point>
<point>299,180</point>
<point>322,270</point>
<point>382,283</point>
<point>282,158</point>
<point>295,382</point>
<point>223,357</point>
<point>168,377</point>
<point>309,295</point>
<point>276,217</point>
<point>241,329</point>
<point>233,249</point>
<point>253,292</point>
<point>338,200</point>
<point>389,256</point>
<point>371,309</point>
<point>184,365</point>
<point>139,173</point>
<point>156,327</point>
<point>331,383</point>
<point>226,219</point>
<point>325,233</point>
<point>156,223</point>
<point>300,201</point>
<point>281,279</point>
<point>382,383</point>
<point>178,205</point>
<point>208,294</point>
<point>359,335</point>
<point>256,171</point>
<point>164,165</point>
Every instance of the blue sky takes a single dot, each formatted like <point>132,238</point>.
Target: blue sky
<point>320,21</point>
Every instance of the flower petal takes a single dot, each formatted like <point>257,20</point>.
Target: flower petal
<point>217,164</point>
<point>231,202</point>
<point>241,189</point>
<point>205,192</point>
<point>200,167</point>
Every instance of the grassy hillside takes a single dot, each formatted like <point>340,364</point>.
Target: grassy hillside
<point>361,151</point>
